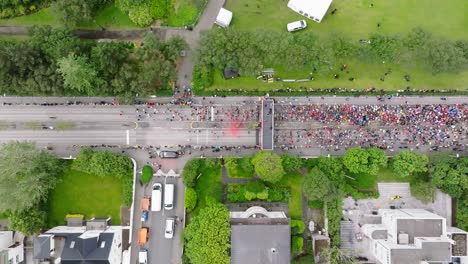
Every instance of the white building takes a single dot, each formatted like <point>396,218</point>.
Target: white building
<point>224,18</point>
<point>97,242</point>
<point>11,251</point>
<point>407,236</point>
<point>312,9</point>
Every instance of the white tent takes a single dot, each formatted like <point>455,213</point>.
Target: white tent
<point>224,18</point>
<point>312,9</point>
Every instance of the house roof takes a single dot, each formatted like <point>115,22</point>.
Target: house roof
<point>260,244</point>
<point>42,247</point>
<point>420,228</point>
<point>83,249</point>
<point>434,251</point>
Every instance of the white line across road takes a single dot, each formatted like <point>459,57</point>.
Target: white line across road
<point>128,137</point>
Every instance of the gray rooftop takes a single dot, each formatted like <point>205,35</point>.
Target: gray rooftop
<point>434,251</point>
<point>267,124</point>
<point>420,228</point>
<point>42,247</point>
<point>260,244</point>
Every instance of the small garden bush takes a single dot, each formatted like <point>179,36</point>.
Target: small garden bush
<point>317,204</point>
<point>297,244</point>
<point>146,174</point>
<point>255,191</point>
<point>297,227</point>
<point>190,199</point>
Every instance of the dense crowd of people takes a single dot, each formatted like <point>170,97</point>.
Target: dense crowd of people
<point>382,126</point>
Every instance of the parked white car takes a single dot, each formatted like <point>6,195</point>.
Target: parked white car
<point>169,231</point>
<point>296,25</point>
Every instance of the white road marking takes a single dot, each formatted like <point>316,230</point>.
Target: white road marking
<point>128,137</point>
<point>212,113</point>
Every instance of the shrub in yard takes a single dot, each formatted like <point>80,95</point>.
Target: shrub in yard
<point>190,199</point>
<point>255,187</point>
<point>297,244</point>
<point>245,165</point>
<point>190,172</point>
<point>317,204</point>
<point>263,195</point>
<point>250,195</point>
<point>236,197</point>
<point>268,166</point>
<point>234,187</point>
<point>297,227</point>
<point>146,174</point>
<point>275,195</point>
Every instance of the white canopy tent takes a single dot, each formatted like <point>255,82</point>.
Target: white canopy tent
<point>224,18</point>
<point>312,9</point>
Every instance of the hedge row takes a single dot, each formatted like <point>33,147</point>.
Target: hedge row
<point>256,191</point>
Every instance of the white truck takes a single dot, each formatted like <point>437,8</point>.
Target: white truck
<point>168,196</point>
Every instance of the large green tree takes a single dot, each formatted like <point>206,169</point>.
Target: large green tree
<point>207,236</point>
<point>268,166</point>
<point>78,74</point>
<point>291,162</point>
<point>408,163</point>
<point>359,160</point>
<point>317,186</point>
<point>71,12</point>
<point>444,56</point>
<point>27,174</point>
<point>451,177</point>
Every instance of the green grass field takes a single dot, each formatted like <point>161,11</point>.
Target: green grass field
<point>294,182</point>
<point>356,20</point>
<point>109,17</point>
<point>82,193</point>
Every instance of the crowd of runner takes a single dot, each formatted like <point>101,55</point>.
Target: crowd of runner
<point>383,126</point>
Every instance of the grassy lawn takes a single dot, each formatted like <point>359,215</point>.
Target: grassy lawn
<point>308,259</point>
<point>236,170</point>
<point>183,13</point>
<point>356,19</point>
<point>42,17</point>
<point>387,175</point>
<point>79,192</point>
<point>366,75</point>
<point>209,184</point>
<point>109,17</point>
<point>294,182</point>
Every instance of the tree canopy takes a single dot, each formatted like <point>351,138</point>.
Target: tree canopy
<point>104,163</point>
<point>317,186</point>
<point>291,162</point>
<point>407,163</point>
<point>27,175</point>
<point>359,160</point>
<point>451,177</point>
<point>268,166</point>
<point>28,221</point>
<point>207,236</point>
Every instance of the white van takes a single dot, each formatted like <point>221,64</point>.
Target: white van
<point>168,196</point>
<point>143,256</point>
<point>156,196</point>
<point>296,25</point>
<point>169,231</point>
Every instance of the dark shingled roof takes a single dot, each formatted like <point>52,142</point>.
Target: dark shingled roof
<point>87,250</point>
<point>260,244</point>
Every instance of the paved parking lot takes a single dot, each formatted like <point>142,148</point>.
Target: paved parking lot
<point>161,249</point>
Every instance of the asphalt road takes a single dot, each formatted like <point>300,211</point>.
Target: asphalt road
<point>216,122</point>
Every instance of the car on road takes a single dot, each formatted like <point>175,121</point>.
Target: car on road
<point>156,196</point>
<point>143,256</point>
<point>169,230</point>
<point>296,25</point>
<point>143,235</point>
<point>168,154</point>
<point>168,196</point>
<point>144,216</point>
